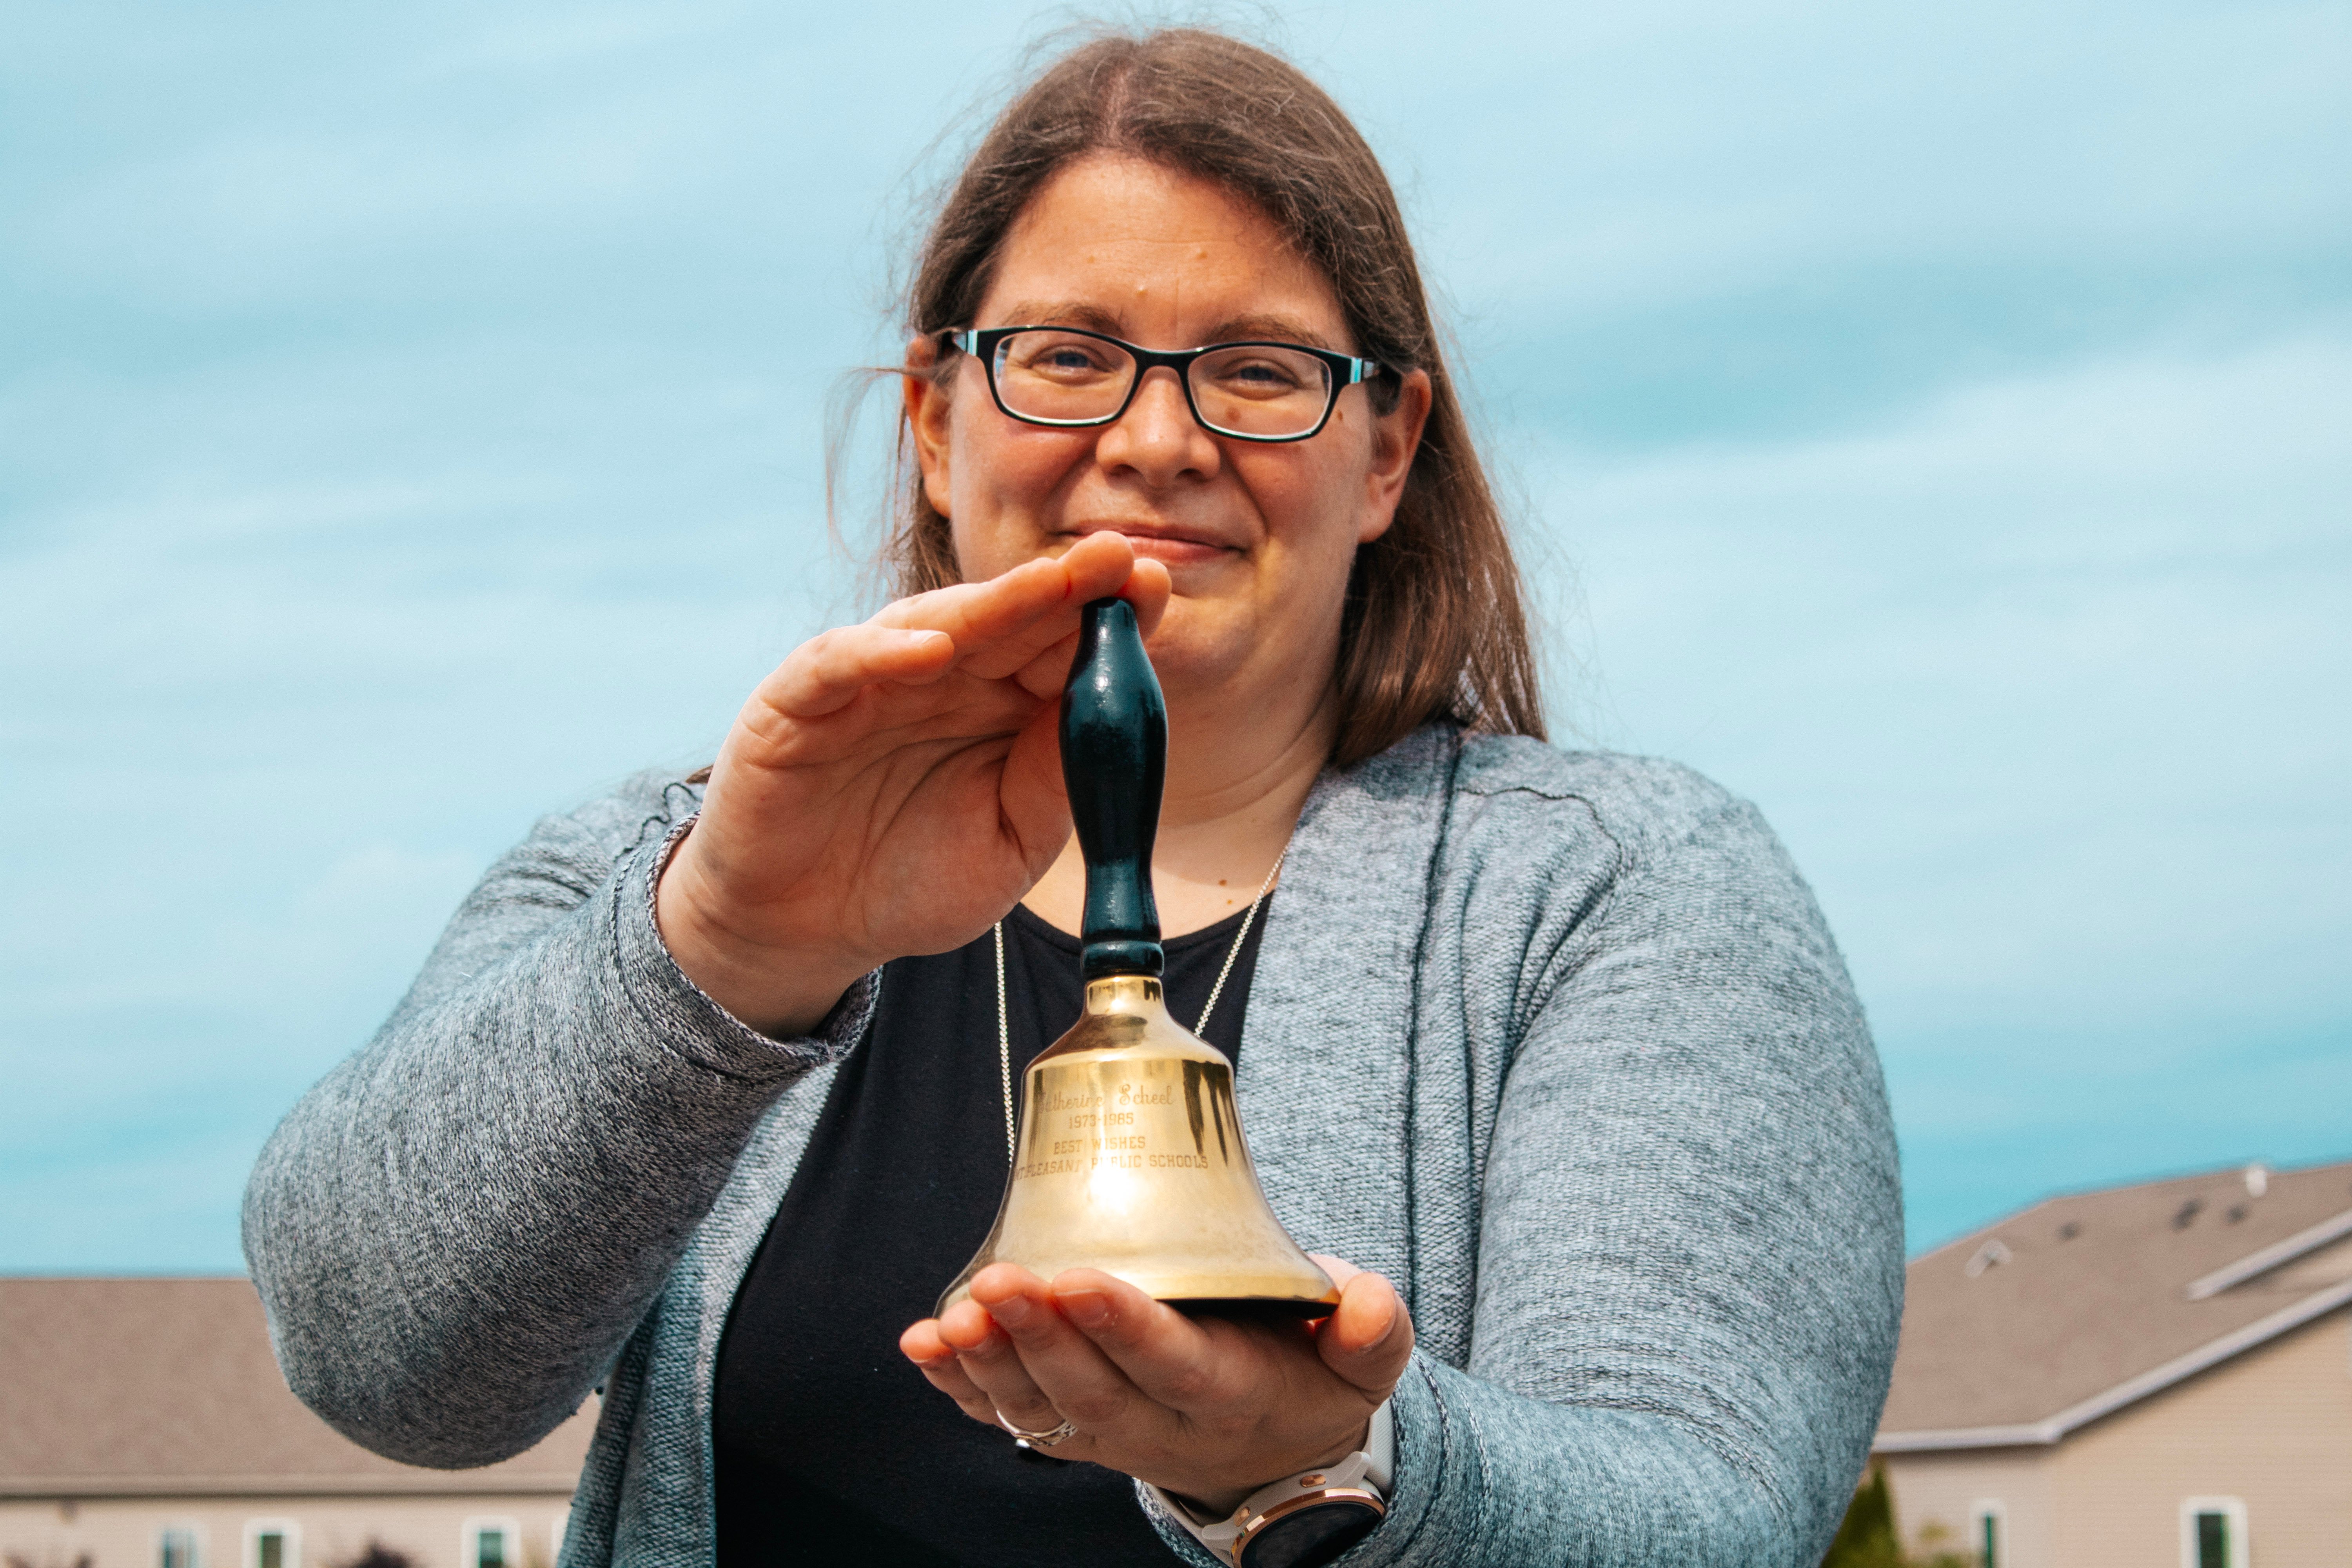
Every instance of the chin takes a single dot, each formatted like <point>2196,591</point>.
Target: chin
<point>1200,642</point>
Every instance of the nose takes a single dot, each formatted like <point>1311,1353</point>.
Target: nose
<point>1157,439</point>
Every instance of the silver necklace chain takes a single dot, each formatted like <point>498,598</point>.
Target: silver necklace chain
<point>1004,1047</point>
<point>1004,1005</point>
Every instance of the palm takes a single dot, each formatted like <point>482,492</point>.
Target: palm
<point>1209,1406</point>
<point>929,811</point>
<point>892,788</point>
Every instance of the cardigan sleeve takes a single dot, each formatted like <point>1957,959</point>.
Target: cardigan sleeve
<point>1691,1240</point>
<point>455,1231</point>
<point>1689,1269</point>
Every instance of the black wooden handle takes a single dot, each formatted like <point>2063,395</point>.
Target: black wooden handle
<point>1115,765</point>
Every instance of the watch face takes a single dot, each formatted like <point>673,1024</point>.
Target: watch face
<point>1309,1536</point>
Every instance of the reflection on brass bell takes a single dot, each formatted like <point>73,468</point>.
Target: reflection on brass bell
<point>1130,1157</point>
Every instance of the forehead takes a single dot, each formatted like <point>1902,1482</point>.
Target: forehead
<point>1149,252</point>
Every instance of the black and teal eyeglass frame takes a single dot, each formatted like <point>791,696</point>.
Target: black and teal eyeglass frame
<point>1347,370</point>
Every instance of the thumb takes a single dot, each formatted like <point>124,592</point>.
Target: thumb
<point>1368,1338</point>
<point>1148,590</point>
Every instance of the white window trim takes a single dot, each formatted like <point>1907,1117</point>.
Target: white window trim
<point>555,1533</point>
<point>1993,1509</point>
<point>2232,1508</point>
<point>470,1539</point>
<point>254,1528</point>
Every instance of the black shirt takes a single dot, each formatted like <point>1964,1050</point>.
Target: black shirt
<point>831,1446</point>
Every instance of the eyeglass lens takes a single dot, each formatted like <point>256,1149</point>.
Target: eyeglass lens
<point>1062,378</point>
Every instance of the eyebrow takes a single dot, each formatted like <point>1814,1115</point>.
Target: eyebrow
<point>1254,327</point>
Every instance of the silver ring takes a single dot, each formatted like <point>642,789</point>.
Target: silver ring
<point>1037,1439</point>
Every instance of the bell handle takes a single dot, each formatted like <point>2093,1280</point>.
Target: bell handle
<point>1115,767</point>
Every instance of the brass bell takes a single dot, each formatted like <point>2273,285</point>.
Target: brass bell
<point>1130,1157</point>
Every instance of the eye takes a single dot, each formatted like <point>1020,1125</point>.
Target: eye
<point>1262,374</point>
<point>1055,356</point>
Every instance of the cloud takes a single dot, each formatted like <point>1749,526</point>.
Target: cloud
<point>2015,616</point>
<point>409,422</point>
<point>2035,682</point>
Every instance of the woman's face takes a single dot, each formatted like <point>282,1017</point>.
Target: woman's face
<point>1258,538</point>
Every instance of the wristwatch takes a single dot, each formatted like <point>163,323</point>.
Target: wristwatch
<point>1306,1520</point>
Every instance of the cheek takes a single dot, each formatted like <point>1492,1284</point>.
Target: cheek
<point>1311,507</point>
<point>1002,481</point>
<point>1002,464</point>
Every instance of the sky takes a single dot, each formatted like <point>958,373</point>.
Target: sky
<point>1933,423</point>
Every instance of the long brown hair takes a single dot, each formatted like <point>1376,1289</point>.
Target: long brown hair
<point>1434,625</point>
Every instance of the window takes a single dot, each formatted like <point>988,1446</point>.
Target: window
<point>2212,1539</point>
<point>2213,1532</point>
<point>1991,1534</point>
<point>176,1546</point>
<point>273,1543</point>
<point>492,1544</point>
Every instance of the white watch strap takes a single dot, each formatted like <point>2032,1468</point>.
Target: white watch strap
<point>1372,1466</point>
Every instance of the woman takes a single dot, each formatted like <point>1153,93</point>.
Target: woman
<point>1549,1053</point>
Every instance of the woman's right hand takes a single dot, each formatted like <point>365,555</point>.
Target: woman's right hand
<point>892,788</point>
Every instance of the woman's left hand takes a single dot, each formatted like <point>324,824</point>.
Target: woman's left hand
<point>1210,1408</point>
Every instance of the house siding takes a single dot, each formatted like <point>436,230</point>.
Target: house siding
<point>121,1532</point>
<point>2271,1427</point>
<point>1934,1498</point>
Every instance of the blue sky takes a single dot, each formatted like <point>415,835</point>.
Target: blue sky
<point>1936,423</point>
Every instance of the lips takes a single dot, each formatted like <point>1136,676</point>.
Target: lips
<point>1169,546</point>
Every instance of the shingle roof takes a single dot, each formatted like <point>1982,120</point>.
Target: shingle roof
<point>154,1386</point>
<point>2024,1330</point>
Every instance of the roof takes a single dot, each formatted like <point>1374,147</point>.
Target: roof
<point>2059,1314</point>
<point>150,1387</point>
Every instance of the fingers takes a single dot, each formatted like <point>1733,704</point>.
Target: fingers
<point>1208,1408</point>
<point>924,1345</point>
<point>992,628</point>
<point>1367,1339</point>
<point>1338,1269</point>
<point>1004,623</point>
<point>985,1364</point>
<point>1001,625</point>
<point>1166,1355</point>
<point>1148,589</point>
<point>824,674</point>
<point>989,1361</point>
<point>1070,1373</point>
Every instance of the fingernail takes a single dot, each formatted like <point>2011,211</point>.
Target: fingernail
<point>1085,1308</point>
<point>1011,1311</point>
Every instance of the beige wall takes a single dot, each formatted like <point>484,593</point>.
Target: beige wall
<point>122,1532</point>
<point>1935,1498</point>
<point>2271,1427</point>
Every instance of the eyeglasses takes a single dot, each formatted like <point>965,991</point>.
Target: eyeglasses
<point>1072,378</point>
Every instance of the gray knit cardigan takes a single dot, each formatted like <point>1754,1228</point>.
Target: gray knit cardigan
<point>1557,1042</point>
